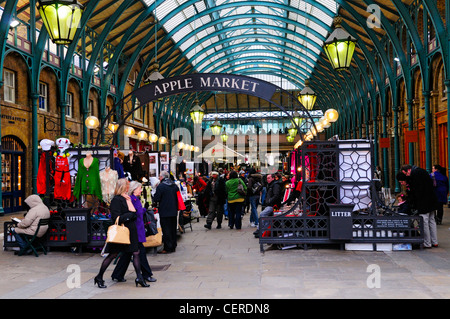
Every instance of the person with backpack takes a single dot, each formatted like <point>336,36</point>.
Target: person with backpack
<point>255,187</point>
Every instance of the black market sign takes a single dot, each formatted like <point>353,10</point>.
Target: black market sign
<point>199,82</point>
<point>205,82</point>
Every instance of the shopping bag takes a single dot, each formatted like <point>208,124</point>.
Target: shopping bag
<point>181,205</point>
<point>154,240</point>
<point>118,234</point>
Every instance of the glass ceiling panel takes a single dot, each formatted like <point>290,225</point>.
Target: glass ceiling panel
<point>203,28</point>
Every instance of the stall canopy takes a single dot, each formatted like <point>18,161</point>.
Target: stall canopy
<point>219,151</point>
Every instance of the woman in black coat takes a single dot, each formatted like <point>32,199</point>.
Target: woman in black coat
<point>122,207</point>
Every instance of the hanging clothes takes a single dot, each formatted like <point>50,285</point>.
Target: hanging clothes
<point>63,185</point>
<point>88,179</point>
<point>132,164</point>
<point>108,179</point>
<point>43,174</point>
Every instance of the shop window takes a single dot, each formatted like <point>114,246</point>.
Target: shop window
<point>91,107</point>
<point>138,111</point>
<point>69,107</point>
<point>442,138</point>
<point>43,96</point>
<point>10,87</point>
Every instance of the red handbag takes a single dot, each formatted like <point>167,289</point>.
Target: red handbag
<point>181,205</point>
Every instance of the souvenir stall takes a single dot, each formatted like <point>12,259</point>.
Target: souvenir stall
<point>338,203</point>
<point>77,184</point>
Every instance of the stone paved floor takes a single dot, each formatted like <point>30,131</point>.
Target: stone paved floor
<point>225,264</point>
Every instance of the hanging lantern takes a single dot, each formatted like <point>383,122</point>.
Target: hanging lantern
<point>113,127</point>
<point>297,118</point>
<point>91,122</point>
<point>153,138</point>
<point>292,130</point>
<point>129,131</point>
<point>331,115</point>
<point>162,140</point>
<point>61,19</point>
<point>340,47</point>
<point>142,135</point>
<point>155,75</point>
<point>197,113</point>
<point>224,135</point>
<point>307,97</point>
<point>216,127</point>
<point>290,139</point>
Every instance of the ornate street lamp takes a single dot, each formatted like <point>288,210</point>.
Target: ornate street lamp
<point>216,127</point>
<point>142,135</point>
<point>297,118</point>
<point>224,135</point>
<point>180,145</point>
<point>129,131</point>
<point>153,138</point>
<point>163,140</point>
<point>197,113</point>
<point>292,130</point>
<point>307,97</point>
<point>340,47</point>
<point>113,127</point>
<point>61,19</point>
<point>331,115</point>
<point>92,122</point>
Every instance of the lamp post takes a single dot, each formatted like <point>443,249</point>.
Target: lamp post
<point>61,19</point>
<point>340,47</point>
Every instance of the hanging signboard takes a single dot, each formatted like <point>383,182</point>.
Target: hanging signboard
<point>411,136</point>
<point>385,142</point>
<point>205,82</point>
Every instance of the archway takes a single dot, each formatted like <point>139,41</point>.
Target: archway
<point>13,173</point>
<point>203,82</point>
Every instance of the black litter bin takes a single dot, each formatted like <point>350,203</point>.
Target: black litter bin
<point>341,221</point>
<point>77,225</point>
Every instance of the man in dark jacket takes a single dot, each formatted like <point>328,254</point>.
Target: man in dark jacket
<point>422,198</point>
<point>215,193</point>
<point>166,196</point>
<point>272,200</point>
<point>254,189</point>
<point>274,192</point>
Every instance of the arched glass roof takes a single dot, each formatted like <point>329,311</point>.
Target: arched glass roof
<point>274,40</point>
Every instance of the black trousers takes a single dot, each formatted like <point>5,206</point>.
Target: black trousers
<point>169,230</point>
<point>124,262</point>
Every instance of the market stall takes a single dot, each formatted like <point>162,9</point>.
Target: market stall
<point>338,203</point>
